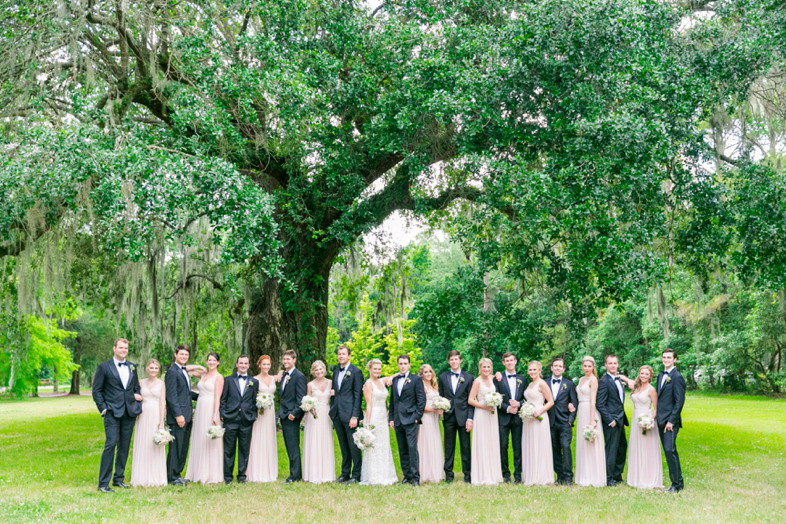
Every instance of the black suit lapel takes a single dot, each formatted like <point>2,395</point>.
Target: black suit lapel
<point>116,373</point>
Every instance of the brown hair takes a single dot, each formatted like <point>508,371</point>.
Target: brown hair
<point>214,355</point>
<point>433,381</point>
<point>453,353</point>
<point>637,383</point>
<point>558,359</point>
<point>290,353</point>
<point>120,340</point>
<point>508,354</point>
<point>263,358</point>
<point>669,350</point>
<point>405,356</point>
<point>181,347</point>
<point>343,346</point>
<point>610,355</point>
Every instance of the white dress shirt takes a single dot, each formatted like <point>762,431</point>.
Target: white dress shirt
<point>284,380</point>
<point>124,371</point>
<point>667,373</point>
<point>341,375</point>
<point>555,387</point>
<point>454,380</point>
<point>618,382</point>
<point>511,385</point>
<point>401,382</point>
<point>242,381</point>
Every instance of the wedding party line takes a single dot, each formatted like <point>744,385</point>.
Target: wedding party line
<point>235,419</point>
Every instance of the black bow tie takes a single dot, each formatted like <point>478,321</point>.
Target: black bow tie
<point>511,376</point>
<point>124,364</point>
<point>454,373</point>
<point>555,380</point>
<point>244,377</point>
<point>341,369</point>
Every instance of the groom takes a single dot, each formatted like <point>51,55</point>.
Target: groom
<point>511,386</point>
<point>561,418</point>
<point>179,410</point>
<point>344,412</point>
<point>407,404</point>
<point>116,393</point>
<point>671,398</point>
<point>293,389</point>
<point>455,386</point>
<point>238,411</point>
<point>611,406</point>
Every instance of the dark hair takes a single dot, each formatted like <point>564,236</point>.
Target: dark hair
<point>290,353</point>
<point>214,355</point>
<point>403,356</point>
<point>508,354</point>
<point>453,353</point>
<point>343,346</point>
<point>558,359</point>
<point>182,347</point>
<point>610,355</point>
<point>242,356</point>
<point>669,350</point>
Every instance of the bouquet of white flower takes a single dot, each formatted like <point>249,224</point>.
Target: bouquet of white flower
<point>264,401</point>
<point>493,400</point>
<point>589,433</point>
<point>645,422</point>
<point>364,438</point>
<point>162,436</point>
<point>215,432</point>
<point>527,411</point>
<point>441,403</point>
<point>309,405</point>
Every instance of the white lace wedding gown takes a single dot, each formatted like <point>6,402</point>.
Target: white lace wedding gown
<point>378,467</point>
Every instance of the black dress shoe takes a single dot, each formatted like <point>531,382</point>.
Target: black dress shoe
<point>106,489</point>
<point>403,482</point>
<point>241,481</point>
<point>506,481</point>
<point>517,481</point>
<point>567,482</point>
<point>415,483</point>
<point>227,482</point>
<point>178,482</point>
<point>449,480</point>
<point>341,480</point>
<point>612,483</point>
<point>673,489</point>
<point>290,480</point>
<point>352,481</point>
<point>120,485</point>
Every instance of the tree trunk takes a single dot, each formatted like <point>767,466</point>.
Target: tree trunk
<point>74,383</point>
<point>55,384</point>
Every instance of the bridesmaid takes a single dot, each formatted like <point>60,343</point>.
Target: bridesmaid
<point>486,464</point>
<point>645,468</point>
<point>431,458</point>
<point>590,456</point>
<point>537,464</point>
<point>206,463</point>
<point>319,463</point>
<point>148,464</point>
<point>263,456</point>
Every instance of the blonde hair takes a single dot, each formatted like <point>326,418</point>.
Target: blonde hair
<point>588,358</point>
<point>153,361</point>
<point>424,368</point>
<point>540,367</point>
<point>482,361</point>
<point>372,362</point>
<point>316,364</point>
<point>638,383</point>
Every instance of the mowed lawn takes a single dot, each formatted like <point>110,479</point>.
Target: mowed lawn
<point>732,451</point>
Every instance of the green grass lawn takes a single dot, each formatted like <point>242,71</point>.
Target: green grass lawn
<point>732,451</point>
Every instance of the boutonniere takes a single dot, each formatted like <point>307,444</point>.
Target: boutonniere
<point>518,382</point>
<point>668,379</point>
<point>564,387</point>
<point>461,380</point>
<point>286,379</point>
<point>348,373</point>
<point>407,381</point>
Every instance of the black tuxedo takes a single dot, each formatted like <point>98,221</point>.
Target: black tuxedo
<point>561,423</point>
<point>612,408</point>
<point>179,403</point>
<point>406,412</point>
<point>671,398</point>
<point>292,395</point>
<point>238,413</point>
<point>510,424</point>
<point>345,405</point>
<point>119,410</point>
<point>454,421</point>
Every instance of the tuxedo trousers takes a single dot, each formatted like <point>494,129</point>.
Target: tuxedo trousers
<point>451,427</point>
<point>407,440</point>
<point>514,429</point>
<point>616,450</point>
<point>351,456</point>
<point>561,437</point>
<point>236,434</point>
<point>290,430</point>
<point>668,440</point>
<point>118,431</point>
<point>178,451</point>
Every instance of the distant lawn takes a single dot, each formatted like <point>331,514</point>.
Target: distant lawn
<point>732,451</point>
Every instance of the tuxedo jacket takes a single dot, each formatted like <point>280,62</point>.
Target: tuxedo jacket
<point>559,413</point>
<point>234,407</point>
<point>292,395</point>
<point>608,402</point>
<point>179,396</point>
<point>408,407</point>
<point>671,398</point>
<point>459,402</point>
<point>502,387</point>
<point>345,404</point>
<point>109,393</point>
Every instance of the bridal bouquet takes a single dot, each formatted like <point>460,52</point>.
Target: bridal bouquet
<point>215,432</point>
<point>493,400</point>
<point>589,433</point>
<point>364,438</point>
<point>162,436</point>
<point>264,401</point>
<point>527,411</point>
<point>645,422</point>
<point>309,405</point>
<point>441,403</point>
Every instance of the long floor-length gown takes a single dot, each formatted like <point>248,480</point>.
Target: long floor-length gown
<point>537,464</point>
<point>263,455</point>
<point>319,461</point>
<point>645,468</point>
<point>148,464</point>
<point>206,459</point>
<point>590,456</point>
<point>378,467</point>
<point>486,462</point>
<point>431,458</point>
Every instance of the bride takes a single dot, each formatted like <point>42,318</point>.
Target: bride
<point>378,467</point>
